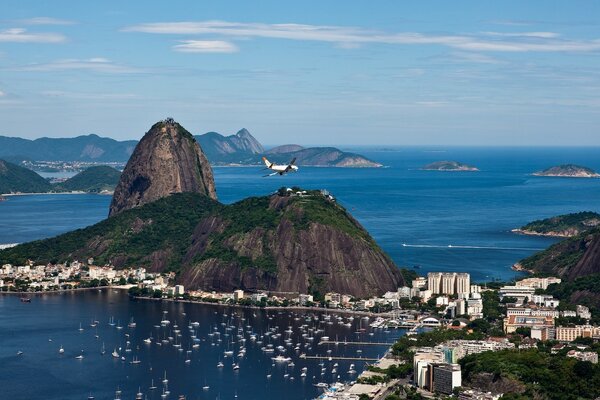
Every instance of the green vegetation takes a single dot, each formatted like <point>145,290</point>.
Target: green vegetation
<point>535,374</point>
<point>402,348</point>
<point>449,166</point>
<point>128,239</point>
<point>15,179</point>
<point>561,256</point>
<point>567,225</point>
<point>586,288</point>
<point>93,179</point>
<point>162,232</point>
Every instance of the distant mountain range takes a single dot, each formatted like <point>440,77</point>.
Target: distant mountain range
<point>239,149</point>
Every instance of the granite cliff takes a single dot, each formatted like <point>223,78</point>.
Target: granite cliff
<point>167,160</point>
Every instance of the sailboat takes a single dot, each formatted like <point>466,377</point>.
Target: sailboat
<point>61,350</point>
<point>102,350</point>
<point>139,395</point>
<point>80,357</point>
<point>165,380</point>
<point>80,328</point>
<point>111,321</point>
<point>115,354</point>
<point>152,387</point>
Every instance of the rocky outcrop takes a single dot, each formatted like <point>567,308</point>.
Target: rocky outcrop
<point>167,160</point>
<point>449,166</point>
<point>313,257</point>
<point>568,171</point>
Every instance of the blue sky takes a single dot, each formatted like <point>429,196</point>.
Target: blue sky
<point>310,72</point>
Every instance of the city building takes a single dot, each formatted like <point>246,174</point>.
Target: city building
<point>538,283</point>
<point>472,394</point>
<point>238,294</point>
<point>434,282</point>
<point>513,322</point>
<point>421,360</point>
<point>446,377</point>
<point>520,293</point>
<point>570,333</point>
<point>590,356</point>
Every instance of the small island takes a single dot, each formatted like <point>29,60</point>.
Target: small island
<point>568,171</point>
<point>567,225</point>
<point>449,166</point>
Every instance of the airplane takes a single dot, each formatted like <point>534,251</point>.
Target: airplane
<point>280,169</point>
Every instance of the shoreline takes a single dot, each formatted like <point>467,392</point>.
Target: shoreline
<point>41,193</point>
<point>60,291</point>
<point>271,308</point>
<point>519,231</point>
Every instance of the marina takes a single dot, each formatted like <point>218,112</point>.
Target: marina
<point>99,342</point>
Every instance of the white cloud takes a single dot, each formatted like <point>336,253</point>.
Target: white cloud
<point>89,96</point>
<point>45,21</point>
<point>475,58</point>
<point>205,46</point>
<point>96,64</point>
<point>19,35</point>
<point>2,94</point>
<point>352,36</point>
<point>542,35</point>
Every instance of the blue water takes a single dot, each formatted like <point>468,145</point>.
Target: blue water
<point>399,204</point>
<point>41,327</point>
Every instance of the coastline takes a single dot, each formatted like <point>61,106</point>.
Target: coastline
<point>273,308</point>
<point>60,291</point>
<point>41,193</point>
<point>519,231</point>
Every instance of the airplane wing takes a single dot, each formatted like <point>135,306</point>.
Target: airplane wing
<point>266,176</point>
<point>289,166</point>
<point>293,161</point>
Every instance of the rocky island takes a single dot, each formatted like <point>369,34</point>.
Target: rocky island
<point>448,166</point>
<point>165,217</point>
<point>568,171</point>
<point>567,225</point>
<point>99,179</point>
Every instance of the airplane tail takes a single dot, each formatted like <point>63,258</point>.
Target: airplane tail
<point>267,162</point>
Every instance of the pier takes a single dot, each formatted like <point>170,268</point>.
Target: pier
<point>336,342</point>
<point>304,356</point>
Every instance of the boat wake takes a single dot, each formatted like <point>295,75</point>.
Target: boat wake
<point>453,246</point>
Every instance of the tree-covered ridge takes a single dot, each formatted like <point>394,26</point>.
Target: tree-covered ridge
<point>93,179</point>
<point>165,229</point>
<point>531,374</point>
<point>563,225</point>
<point>449,166</point>
<point>561,257</point>
<point>16,179</point>
<point>126,239</point>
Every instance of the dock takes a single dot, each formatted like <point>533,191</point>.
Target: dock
<point>303,356</point>
<point>337,342</point>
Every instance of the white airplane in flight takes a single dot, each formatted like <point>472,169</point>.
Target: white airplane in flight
<point>280,169</point>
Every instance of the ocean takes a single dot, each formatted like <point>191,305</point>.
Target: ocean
<point>414,215</point>
<point>437,221</point>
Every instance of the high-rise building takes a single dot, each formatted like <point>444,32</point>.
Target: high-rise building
<point>434,282</point>
<point>449,283</point>
<point>446,377</point>
<point>463,284</point>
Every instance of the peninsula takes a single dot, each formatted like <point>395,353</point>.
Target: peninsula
<point>567,225</point>
<point>168,219</point>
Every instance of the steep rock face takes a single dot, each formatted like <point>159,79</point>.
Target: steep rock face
<point>167,160</point>
<point>295,257</point>
<point>571,258</point>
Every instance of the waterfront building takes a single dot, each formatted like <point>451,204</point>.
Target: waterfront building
<point>305,299</point>
<point>179,290</point>
<point>336,297</point>
<point>238,294</point>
